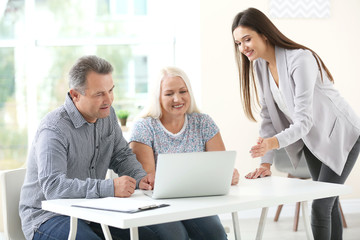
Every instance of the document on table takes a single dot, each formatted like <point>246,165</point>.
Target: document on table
<point>125,205</point>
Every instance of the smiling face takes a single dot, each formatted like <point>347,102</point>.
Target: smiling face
<point>174,97</point>
<point>98,97</point>
<point>250,43</point>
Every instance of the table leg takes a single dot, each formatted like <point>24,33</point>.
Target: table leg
<point>134,233</point>
<point>73,228</point>
<point>236,225</point>
<point>306,217</point>
<point>262,222</point>
<point>106,232</point>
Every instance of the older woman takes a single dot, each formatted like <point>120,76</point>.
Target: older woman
<point>172,123</point>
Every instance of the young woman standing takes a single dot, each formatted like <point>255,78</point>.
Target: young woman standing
<point>300,110</point>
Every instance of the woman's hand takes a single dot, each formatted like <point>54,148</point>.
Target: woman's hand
<point>263,146</point>
<point>235,177</point>
<point>262,171</point>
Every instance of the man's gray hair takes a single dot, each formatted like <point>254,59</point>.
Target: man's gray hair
<point>84,65</point>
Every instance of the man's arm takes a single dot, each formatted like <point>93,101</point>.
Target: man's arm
<point>51,154</point>
<point>123,160</point>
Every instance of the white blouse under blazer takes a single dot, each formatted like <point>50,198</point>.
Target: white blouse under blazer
<point>320,118</point>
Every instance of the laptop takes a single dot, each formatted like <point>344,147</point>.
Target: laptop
<point>193,174</point>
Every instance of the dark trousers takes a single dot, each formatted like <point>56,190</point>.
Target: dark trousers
<point>205,228</point>
<point>57,228</point>
<point>326,220</point>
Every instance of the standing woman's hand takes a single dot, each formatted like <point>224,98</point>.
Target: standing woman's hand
<point>262,171</point>
<point>263,146</point>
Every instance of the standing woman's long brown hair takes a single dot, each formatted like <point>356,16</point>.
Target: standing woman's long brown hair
<point>260,23</point>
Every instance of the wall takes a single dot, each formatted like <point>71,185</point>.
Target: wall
<point>335,39</point>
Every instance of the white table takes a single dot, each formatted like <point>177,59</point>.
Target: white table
<point>248,194</point>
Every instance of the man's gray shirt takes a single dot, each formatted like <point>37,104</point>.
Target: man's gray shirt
<point>69,158</point>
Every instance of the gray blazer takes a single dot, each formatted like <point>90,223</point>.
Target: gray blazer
<point>320,118</point>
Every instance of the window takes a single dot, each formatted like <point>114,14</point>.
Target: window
<point>125,7</point>
<point>40,40</point>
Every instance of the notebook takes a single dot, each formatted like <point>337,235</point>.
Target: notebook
<point>193,174</point>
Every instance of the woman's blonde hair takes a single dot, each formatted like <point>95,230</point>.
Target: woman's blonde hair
<point>153,109</point>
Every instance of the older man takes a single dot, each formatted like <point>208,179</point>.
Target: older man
<point>73,148</point>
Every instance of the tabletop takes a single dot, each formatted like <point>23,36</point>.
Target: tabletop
<point>248,194</point>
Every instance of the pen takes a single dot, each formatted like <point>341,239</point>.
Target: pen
<point>148,207</point>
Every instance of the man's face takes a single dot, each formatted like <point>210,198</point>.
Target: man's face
<point>98,97</point>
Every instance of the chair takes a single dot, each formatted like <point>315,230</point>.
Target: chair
<point>283,164</point>
<point>11,182</point>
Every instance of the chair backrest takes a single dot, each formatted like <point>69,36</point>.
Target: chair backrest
<point>283,164</point>
<point>11,182</point>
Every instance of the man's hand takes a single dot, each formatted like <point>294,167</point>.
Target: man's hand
<point>124,186</point>
<point>147,182</point>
